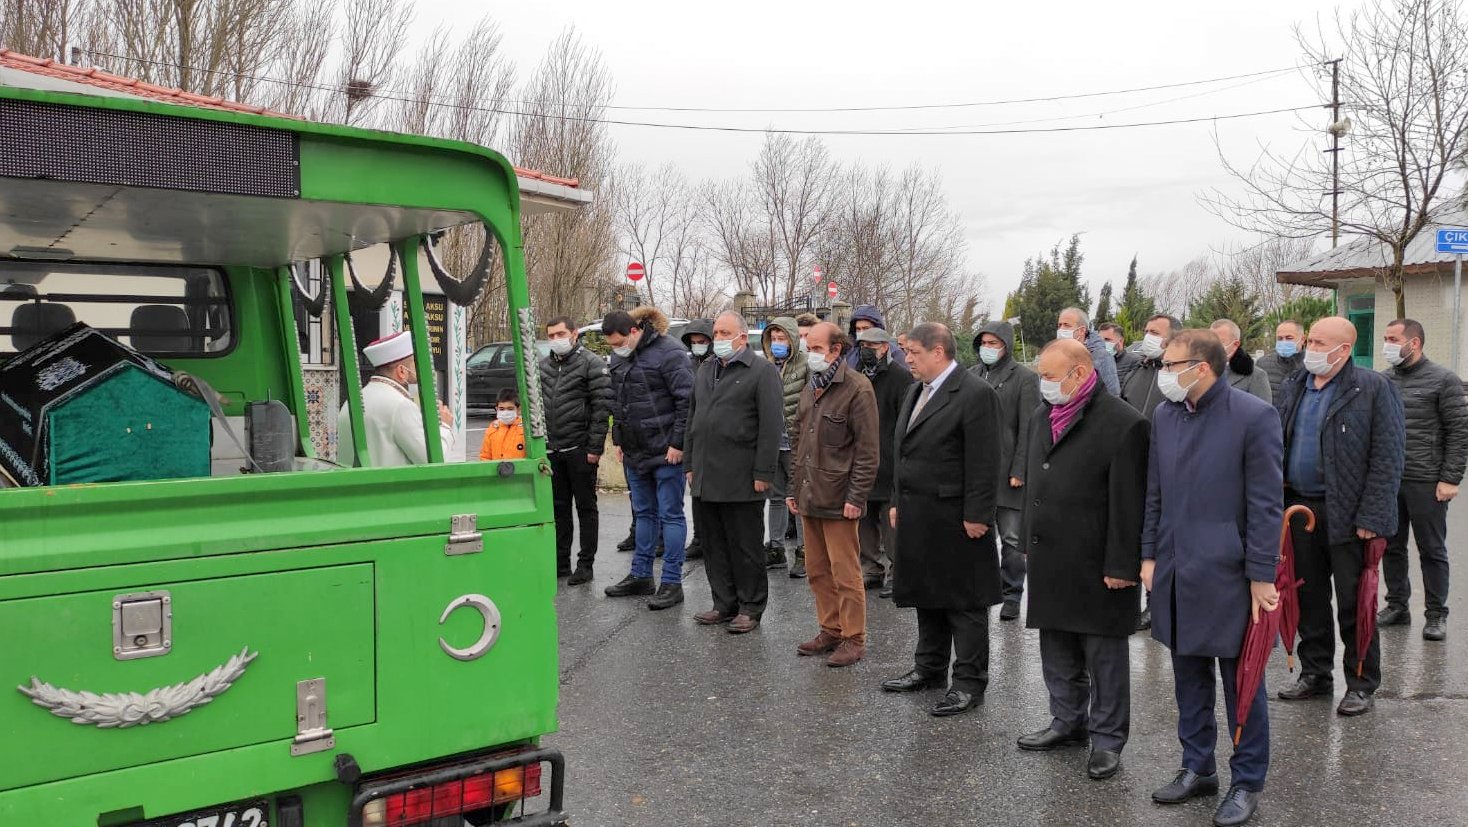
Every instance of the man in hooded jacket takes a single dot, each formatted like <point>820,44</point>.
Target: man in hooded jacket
<point>1018,389</point>
<point>781,345</point>
<point>864,317</point>
<point>890,379</point>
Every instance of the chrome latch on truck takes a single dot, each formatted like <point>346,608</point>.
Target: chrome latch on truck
<point>312,734</point>
<point>142,625</point>
<point>464,536</point>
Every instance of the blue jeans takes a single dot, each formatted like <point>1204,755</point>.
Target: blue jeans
<point>657,502</point>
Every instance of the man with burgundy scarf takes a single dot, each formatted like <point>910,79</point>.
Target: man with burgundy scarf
<point>1087,472</point>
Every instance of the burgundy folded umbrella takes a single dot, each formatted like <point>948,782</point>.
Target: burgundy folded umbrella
<point>1287,584</point>
<point>1258,643</point>
<point>1366,599</point>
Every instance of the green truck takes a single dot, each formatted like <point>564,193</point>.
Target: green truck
<point>304,645</point>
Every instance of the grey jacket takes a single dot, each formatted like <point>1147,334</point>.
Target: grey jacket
<point>1018,389</point>
<point>1437,421</point>
<point>1244,374</point>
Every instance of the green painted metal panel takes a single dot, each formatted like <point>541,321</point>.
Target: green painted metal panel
<point>303,624</point>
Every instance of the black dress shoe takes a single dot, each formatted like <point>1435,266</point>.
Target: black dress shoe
<point>582,575</point>
<point>1186,785</point>
<point>1103,764</point>
<point>1308,686</point>
<point>1394,616</point>
<point>630,586</point>
<point>1010,610</point>
<point>1356,703</point>
<point>694,550</point>
<point>956,702</point>
<point>913,681</point>
<point>668,595</point>
<point>1236,808</point>
<point>1048,739</point>
<point>1144,620</point>
<point>1436,629</point>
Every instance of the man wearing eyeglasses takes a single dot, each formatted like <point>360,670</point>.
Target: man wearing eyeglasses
<point>1215,501</point>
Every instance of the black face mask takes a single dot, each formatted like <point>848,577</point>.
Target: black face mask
<point>868,357</point>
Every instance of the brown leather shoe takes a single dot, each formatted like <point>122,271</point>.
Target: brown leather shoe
<point>712,617</point>
<point>846,654</point>
<point>741,625</point>
<point>819,645</point>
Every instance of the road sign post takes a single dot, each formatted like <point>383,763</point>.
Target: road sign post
<point>831,290</point>
<point>1455,240</point>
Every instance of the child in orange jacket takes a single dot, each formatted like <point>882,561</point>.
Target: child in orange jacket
<point>505,437</point>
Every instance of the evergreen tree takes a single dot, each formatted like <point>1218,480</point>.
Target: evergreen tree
<point>1103,306</point>
<point>1048,286</point>
<point>1306,310</point>
<point>1230,299</point>
<point>1136,306</point>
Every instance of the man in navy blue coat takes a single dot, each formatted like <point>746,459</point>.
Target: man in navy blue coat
<point>1215,501</point>
<point>1344,443</point>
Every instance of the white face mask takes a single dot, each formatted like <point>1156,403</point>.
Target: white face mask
<point>507,417</point>
<point>723,348</point>
<point>1151,346</point>
<point>560,347</point>
<point>1394,354</point>
<point>989,355</point>
<point>1071,333</point>
<point>623,351</point>
<point>1171,386</point>
<point>1319,363</point>
<point>817,362</point>
<point>699,348</point>
<point>1050,390</point>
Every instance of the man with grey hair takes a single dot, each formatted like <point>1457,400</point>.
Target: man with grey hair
<point>1075,324</point>
<point>1241,371</point>
<point>735,421</point>
<point>947,476</point>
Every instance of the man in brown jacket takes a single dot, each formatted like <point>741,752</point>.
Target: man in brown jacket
<point>836,451</point>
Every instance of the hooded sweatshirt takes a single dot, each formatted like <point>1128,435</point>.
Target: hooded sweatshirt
<point>1018,389</point>
<point>700,326</point>
<point>794,372</point>
<point>870,313</point>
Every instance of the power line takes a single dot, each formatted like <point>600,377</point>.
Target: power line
<point>734,110</point>
<point>927,131</point>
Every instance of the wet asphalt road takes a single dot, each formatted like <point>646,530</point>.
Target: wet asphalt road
<point>664,722</point>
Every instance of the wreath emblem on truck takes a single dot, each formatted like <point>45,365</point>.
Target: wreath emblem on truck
<point>121,710</point>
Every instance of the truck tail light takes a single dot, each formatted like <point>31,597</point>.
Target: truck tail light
<point>450,798</point>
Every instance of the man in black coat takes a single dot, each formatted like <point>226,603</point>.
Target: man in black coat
<point>735,424</point>
<point>1019,396</point>
<point>947,450</point>
<point>1288,355</point>
<point>698,337</point>
<point>577,389</point>
<point>1436,451</point>
<point>1141,392</point>
<point>1087,455</point>
<point>890,380</point>
<point>1343,438</point>
<point>652,384</point>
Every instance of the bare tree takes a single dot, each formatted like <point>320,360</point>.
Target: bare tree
<point>569,258</point>
<point>1402,70</point>
<point>372,42</point>
<point>43,28</point>
<point>306,32</point>
<point>793,184</point>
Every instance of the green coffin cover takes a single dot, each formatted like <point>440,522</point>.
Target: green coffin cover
<point>128,426</point>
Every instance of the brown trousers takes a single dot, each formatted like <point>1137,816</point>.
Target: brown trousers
<point>833,567</point>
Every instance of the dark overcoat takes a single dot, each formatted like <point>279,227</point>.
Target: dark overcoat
<point>947,473</point>
<point>734,427</point>
<point>1018,388</point>
<point>1215,506</point>
<point>1083,519</point>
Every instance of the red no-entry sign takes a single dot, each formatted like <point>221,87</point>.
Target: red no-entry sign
<point>816,273</point>
<point>831,289</point>
<point>635,271</point>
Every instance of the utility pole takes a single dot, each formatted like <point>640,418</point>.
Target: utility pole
<point>1336,129</point>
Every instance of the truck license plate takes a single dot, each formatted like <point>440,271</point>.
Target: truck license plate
<point>242,814</point>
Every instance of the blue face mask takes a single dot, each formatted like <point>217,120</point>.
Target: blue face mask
<point>779,350</point>
<point>1286,349</point>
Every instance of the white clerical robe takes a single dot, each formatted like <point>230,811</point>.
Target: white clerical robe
<point>394,426</point>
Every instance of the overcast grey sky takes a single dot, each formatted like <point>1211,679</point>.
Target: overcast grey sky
<point>1128,190</point>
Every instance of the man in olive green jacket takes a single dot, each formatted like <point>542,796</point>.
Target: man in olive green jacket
<point>781,344</point>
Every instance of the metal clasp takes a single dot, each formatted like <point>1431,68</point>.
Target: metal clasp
<point>142,625</point>
<point>312,734</point>
<point>464,536</point>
